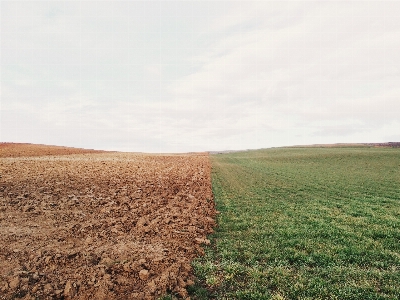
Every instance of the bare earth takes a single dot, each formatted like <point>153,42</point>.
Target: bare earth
<point>100,225</point>
<point>19,150</point>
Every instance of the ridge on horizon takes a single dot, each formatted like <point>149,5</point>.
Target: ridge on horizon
<point>65,150</point>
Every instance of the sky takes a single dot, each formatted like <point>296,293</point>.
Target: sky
<point>180,76</point>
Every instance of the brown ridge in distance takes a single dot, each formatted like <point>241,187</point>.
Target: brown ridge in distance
<point>26,149</point>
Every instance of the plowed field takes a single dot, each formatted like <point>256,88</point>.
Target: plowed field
<point>19,150</point>
<point>101,225</point>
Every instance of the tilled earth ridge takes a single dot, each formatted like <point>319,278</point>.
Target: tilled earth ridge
<point>102,226</point>
<point>20,149</point>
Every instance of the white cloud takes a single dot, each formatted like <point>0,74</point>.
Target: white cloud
<point>193,76</point>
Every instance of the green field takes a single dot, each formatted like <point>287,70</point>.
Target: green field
<point>304,223</point>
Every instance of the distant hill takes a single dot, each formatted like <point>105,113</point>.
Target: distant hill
<point>228,151</point>
<point>338,145</point>
<point>24,149</point>
<point>389,144</point>
<point>346,145</point>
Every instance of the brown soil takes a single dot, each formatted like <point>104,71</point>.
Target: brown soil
<point>18,150</point>
<point>102,226</point>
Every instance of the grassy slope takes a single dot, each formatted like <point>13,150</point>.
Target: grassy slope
<point>317,223</point>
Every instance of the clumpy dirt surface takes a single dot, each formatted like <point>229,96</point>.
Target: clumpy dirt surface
<point>102,225</point>
<point>18,150</point>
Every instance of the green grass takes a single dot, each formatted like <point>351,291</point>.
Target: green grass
<point>304,223</point>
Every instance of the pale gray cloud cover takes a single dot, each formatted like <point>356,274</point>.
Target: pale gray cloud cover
<point>174,76</point>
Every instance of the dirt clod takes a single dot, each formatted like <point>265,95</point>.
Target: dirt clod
<point>48,289</point>
<point>202,241</point>
<point>70,289</point>
<point>144,274</point>
<point>14,283</point>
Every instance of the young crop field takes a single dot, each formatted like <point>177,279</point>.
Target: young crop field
<point>304,223</point>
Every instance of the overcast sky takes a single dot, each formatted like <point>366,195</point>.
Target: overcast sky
<point>174,76</point>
